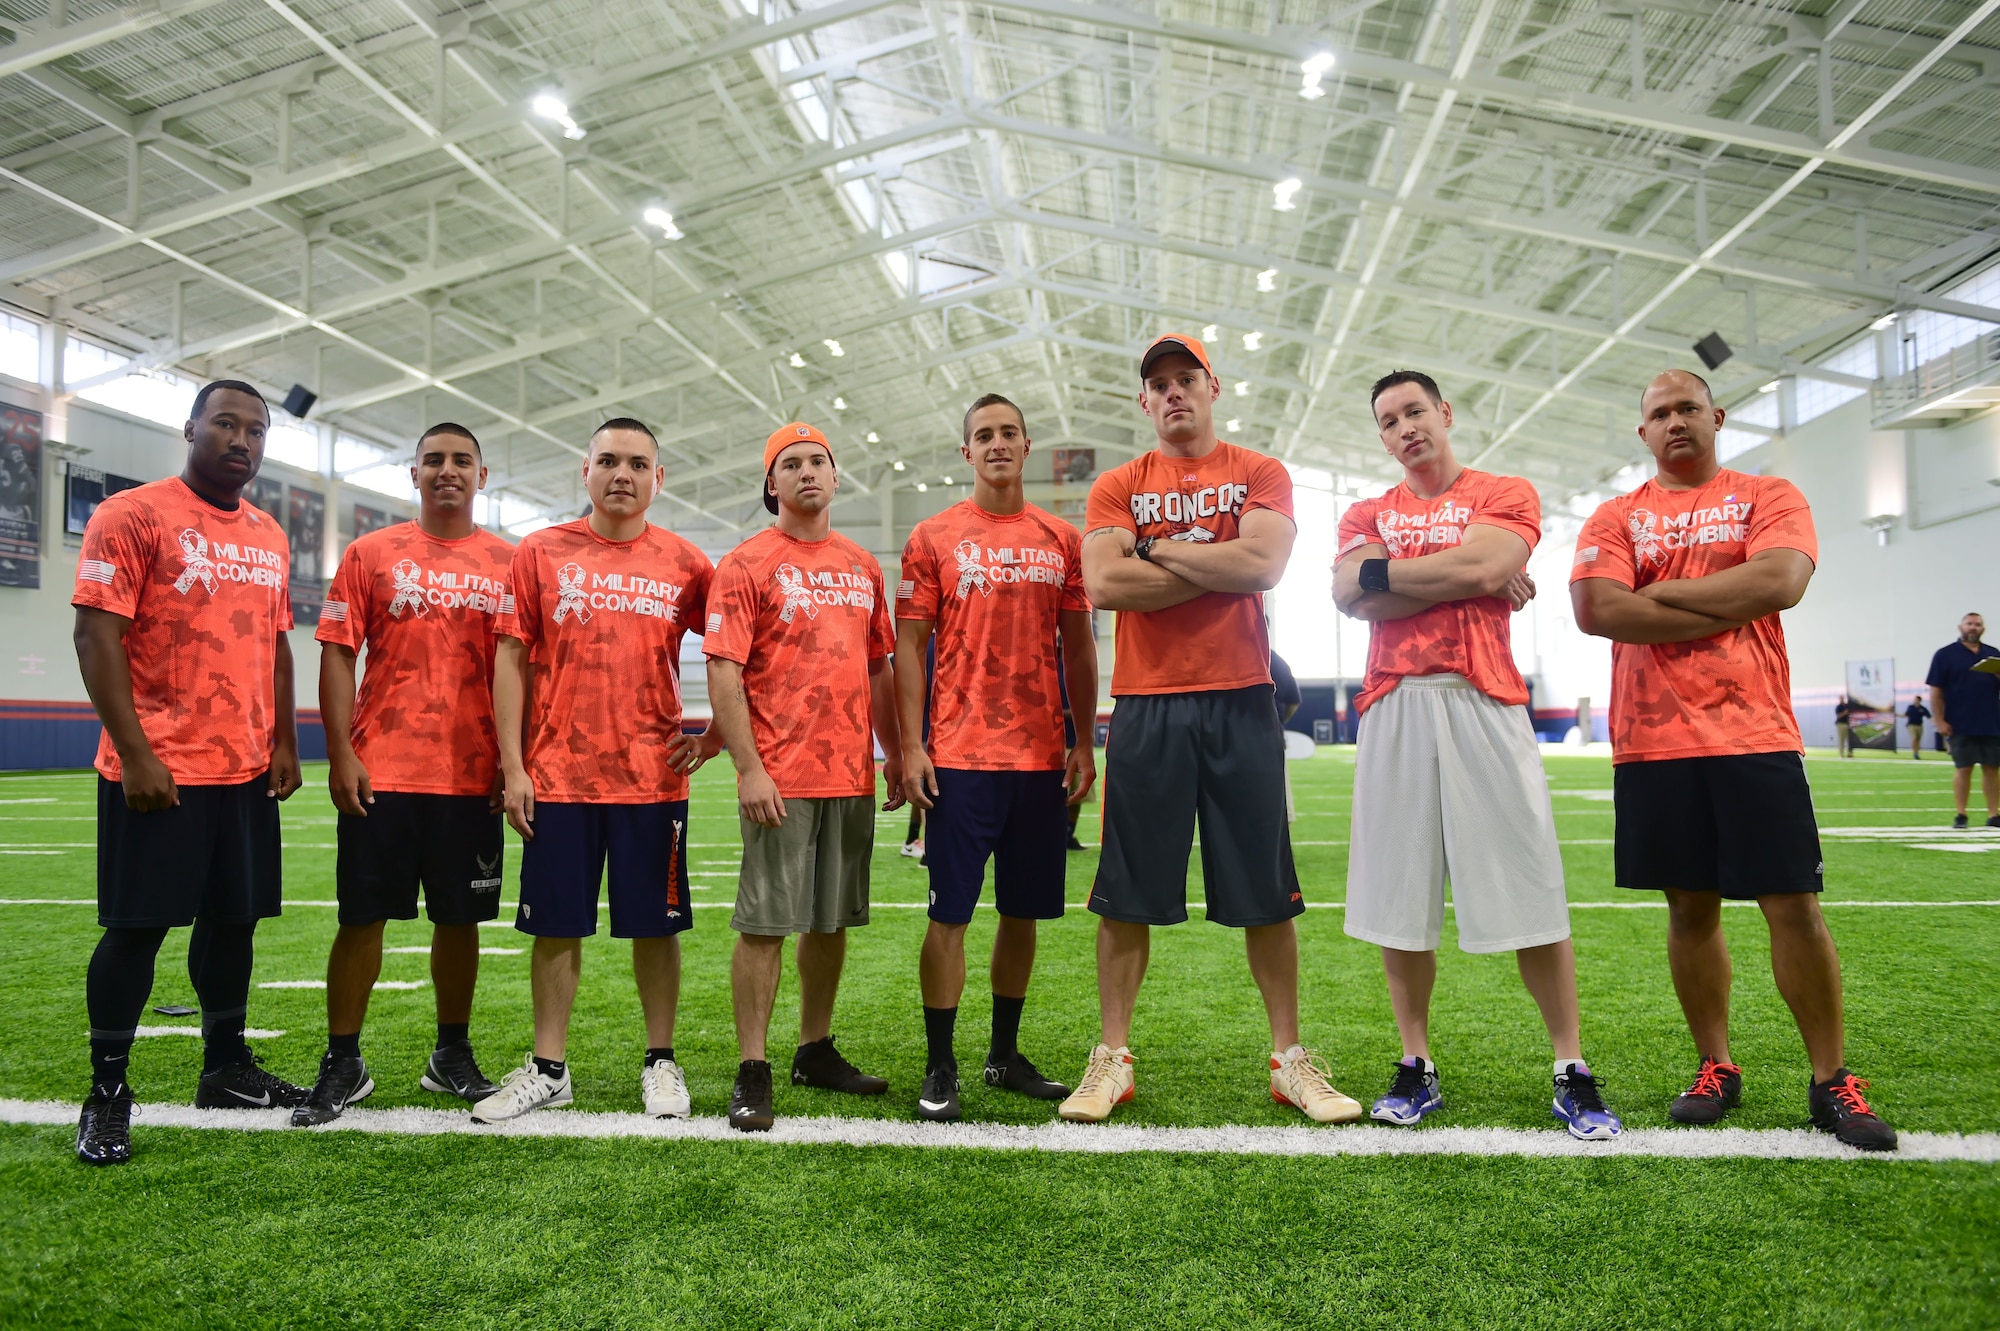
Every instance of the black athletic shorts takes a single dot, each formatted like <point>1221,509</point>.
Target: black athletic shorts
<point>215,855</point>
<point>1738,824</point>
<point>449,843</point>
<point>1175,759</point>
<point>1975,750</point>
<point>1018,819</point>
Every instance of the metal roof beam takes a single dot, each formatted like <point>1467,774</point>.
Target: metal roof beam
<point>36,44</point>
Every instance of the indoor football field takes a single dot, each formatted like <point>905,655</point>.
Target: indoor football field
<point>1202,1204</point>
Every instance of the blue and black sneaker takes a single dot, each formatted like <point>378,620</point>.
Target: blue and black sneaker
<point>1580,1104</point>
<point>1412,1094</point>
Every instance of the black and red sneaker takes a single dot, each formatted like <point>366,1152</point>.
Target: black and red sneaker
<point>1717,1089</point>
<point>1837,1107</point>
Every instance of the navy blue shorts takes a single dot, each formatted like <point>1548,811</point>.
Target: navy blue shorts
<point>1020,819</point>
<point>646,846</point>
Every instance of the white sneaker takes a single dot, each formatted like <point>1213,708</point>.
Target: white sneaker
<point>666,1090</point>
<point>1107,1083</point>
<point>912,850</point>
<point>521,1090</point>
<point>1299,1078</point>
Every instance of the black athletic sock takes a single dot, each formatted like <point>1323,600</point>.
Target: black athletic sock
<point>454,1032</point>
<point>344,1046</point>
<point>551,1067</point>
<point>665,1055</point>
<point>1006,1026</point>
<point>916,824</point>
<point>939,1022</point>
<point>116,987</point>
<point>219,958</point>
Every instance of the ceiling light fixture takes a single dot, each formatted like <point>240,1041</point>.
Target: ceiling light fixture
<point>1243,388</point>
<point>664,220</point>
<point>1267,280</point>
<point>1884,321</point>
<point>1209,332</point>
<point>1315,68</point>
<point>874,438</point>
<point>1282,192</point>
<point>833,346</point>
<point>898,464</point>
<point>922,488</point>
<point>1771,387</point>
<point>798,361</point>
<point>551,107</point>
<point>840,404</point>
<point>1252,341</point>
<point>1232,425</point>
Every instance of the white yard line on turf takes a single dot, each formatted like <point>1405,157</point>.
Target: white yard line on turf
<point>249,1032</point>
<point>1104,1139</point>
<point>1073,905</point>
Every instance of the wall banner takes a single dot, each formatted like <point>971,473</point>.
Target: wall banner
<point>306,525</point>
<point>20,497</point>
<point>1871,694</point>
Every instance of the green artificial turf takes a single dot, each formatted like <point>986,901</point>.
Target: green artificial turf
<point>379,1230</point>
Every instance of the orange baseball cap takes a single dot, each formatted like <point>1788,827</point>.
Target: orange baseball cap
<point>782,438</point>
<point>1167,342</point>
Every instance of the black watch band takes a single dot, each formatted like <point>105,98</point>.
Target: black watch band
<point>1144,548</point>
<point>1374,575</point>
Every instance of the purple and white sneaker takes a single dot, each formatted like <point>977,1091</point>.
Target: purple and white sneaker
<point>1413,1094</point>
<point>1580,1105</point>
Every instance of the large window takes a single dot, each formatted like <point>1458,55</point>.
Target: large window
<point>20,347</point>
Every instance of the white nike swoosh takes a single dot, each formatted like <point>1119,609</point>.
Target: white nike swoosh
<point>933,1104</point>
<point>263,1100</point>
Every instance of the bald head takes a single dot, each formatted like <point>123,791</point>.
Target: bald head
<point>1678,420</point>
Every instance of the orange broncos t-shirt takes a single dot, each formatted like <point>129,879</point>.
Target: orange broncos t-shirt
<point>603,622</point>
<point>994,588</point>
<point>204,588</point>
<point>1216,641</point>
<point>804,619</point>
<point>1469,637</point>
<point>425,608</point>
<point>1728,694</point>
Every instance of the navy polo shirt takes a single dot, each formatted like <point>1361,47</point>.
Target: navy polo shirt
<point>1971,697</point>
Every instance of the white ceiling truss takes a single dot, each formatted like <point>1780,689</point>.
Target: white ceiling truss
<point>1543,202</point>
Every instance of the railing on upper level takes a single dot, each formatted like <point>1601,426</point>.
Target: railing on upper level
<point>1961,382</point>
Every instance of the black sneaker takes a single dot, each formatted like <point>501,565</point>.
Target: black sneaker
<point>104,1132</point>
<point>1717,1089</point>
<point>1994,821</point>
<point>1959,824</point>
<point>453,1071</point>
<point>1073,843</point>
<point>750,1103</point>
<point>341,1082</point>
<point>938,1101</point>
<point>247,1086</point>
<point>1837,1107</point>
<point>820,1064</point>
<point>1014,1072</point>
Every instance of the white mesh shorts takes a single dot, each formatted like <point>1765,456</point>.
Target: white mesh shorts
<point>1448,784</point>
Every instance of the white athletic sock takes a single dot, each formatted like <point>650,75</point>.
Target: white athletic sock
<point>1286,1056</point>
<point>1572,1064</point>
<point>1419,1062</point>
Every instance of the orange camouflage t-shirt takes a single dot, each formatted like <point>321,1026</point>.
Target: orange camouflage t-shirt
<point>994,588</point>
<point>425,609</point>
<point>1218,640</point>
<point>804,619</point>
<point>1470,637</point>
<point>204,588</point>
<point>1728,694</point>
<point>603,622</point>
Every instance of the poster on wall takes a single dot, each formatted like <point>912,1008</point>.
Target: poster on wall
<point>1073,466</point>
<point>268,495</point>
<point>20,497</point>
<point>1871,694</point>
<point>306,525</point>
<point>83,490</point>
<point>368,519</point>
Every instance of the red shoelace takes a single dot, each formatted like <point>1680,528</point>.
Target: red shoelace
<point>1709,1081</point>
<point>1848,1091</point>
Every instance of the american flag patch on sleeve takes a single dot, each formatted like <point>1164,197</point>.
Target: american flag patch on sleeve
<point>334,610</point>
<point>1587,554</point>
<point>715,622</point>
<point>96,570</point>
<point>506,603</point>
<point>906,589</point>
<point>1355,542</point>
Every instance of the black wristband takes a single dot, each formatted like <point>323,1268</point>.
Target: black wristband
<point>1144,549</point>
<point>1374,575</point>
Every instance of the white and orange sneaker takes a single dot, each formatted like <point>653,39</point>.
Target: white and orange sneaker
<point>1300,1078</point>
<point>1107,1083</point>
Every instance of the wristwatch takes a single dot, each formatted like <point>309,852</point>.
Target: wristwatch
<point>1144,548</point>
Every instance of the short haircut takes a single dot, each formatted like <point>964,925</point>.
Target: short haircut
<point>1417,377</point>
<point>1689,373</point>
<point>234,385</point>
<point>455,429</point>
<point>993,400</point>
<point>627,423</point>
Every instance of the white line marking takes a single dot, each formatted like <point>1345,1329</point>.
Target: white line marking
<point>321,984</point>
<point>1107,1139</point>
<point>1073,905</point>
<point>249,1032</point>
<point>41,799</point>
<point>32,852</point>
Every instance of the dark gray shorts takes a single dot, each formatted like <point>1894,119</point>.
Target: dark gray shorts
<point>1175,760</point>
<point>809,874</point>
<point>1974,750</point>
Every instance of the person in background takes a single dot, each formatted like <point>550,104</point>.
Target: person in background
<point>1913,717</point>
<point>913,842</point>
<point>1843,730</point>
<point>1966,703</point>
<point>1073,812</point>
<point>1285,691</point>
